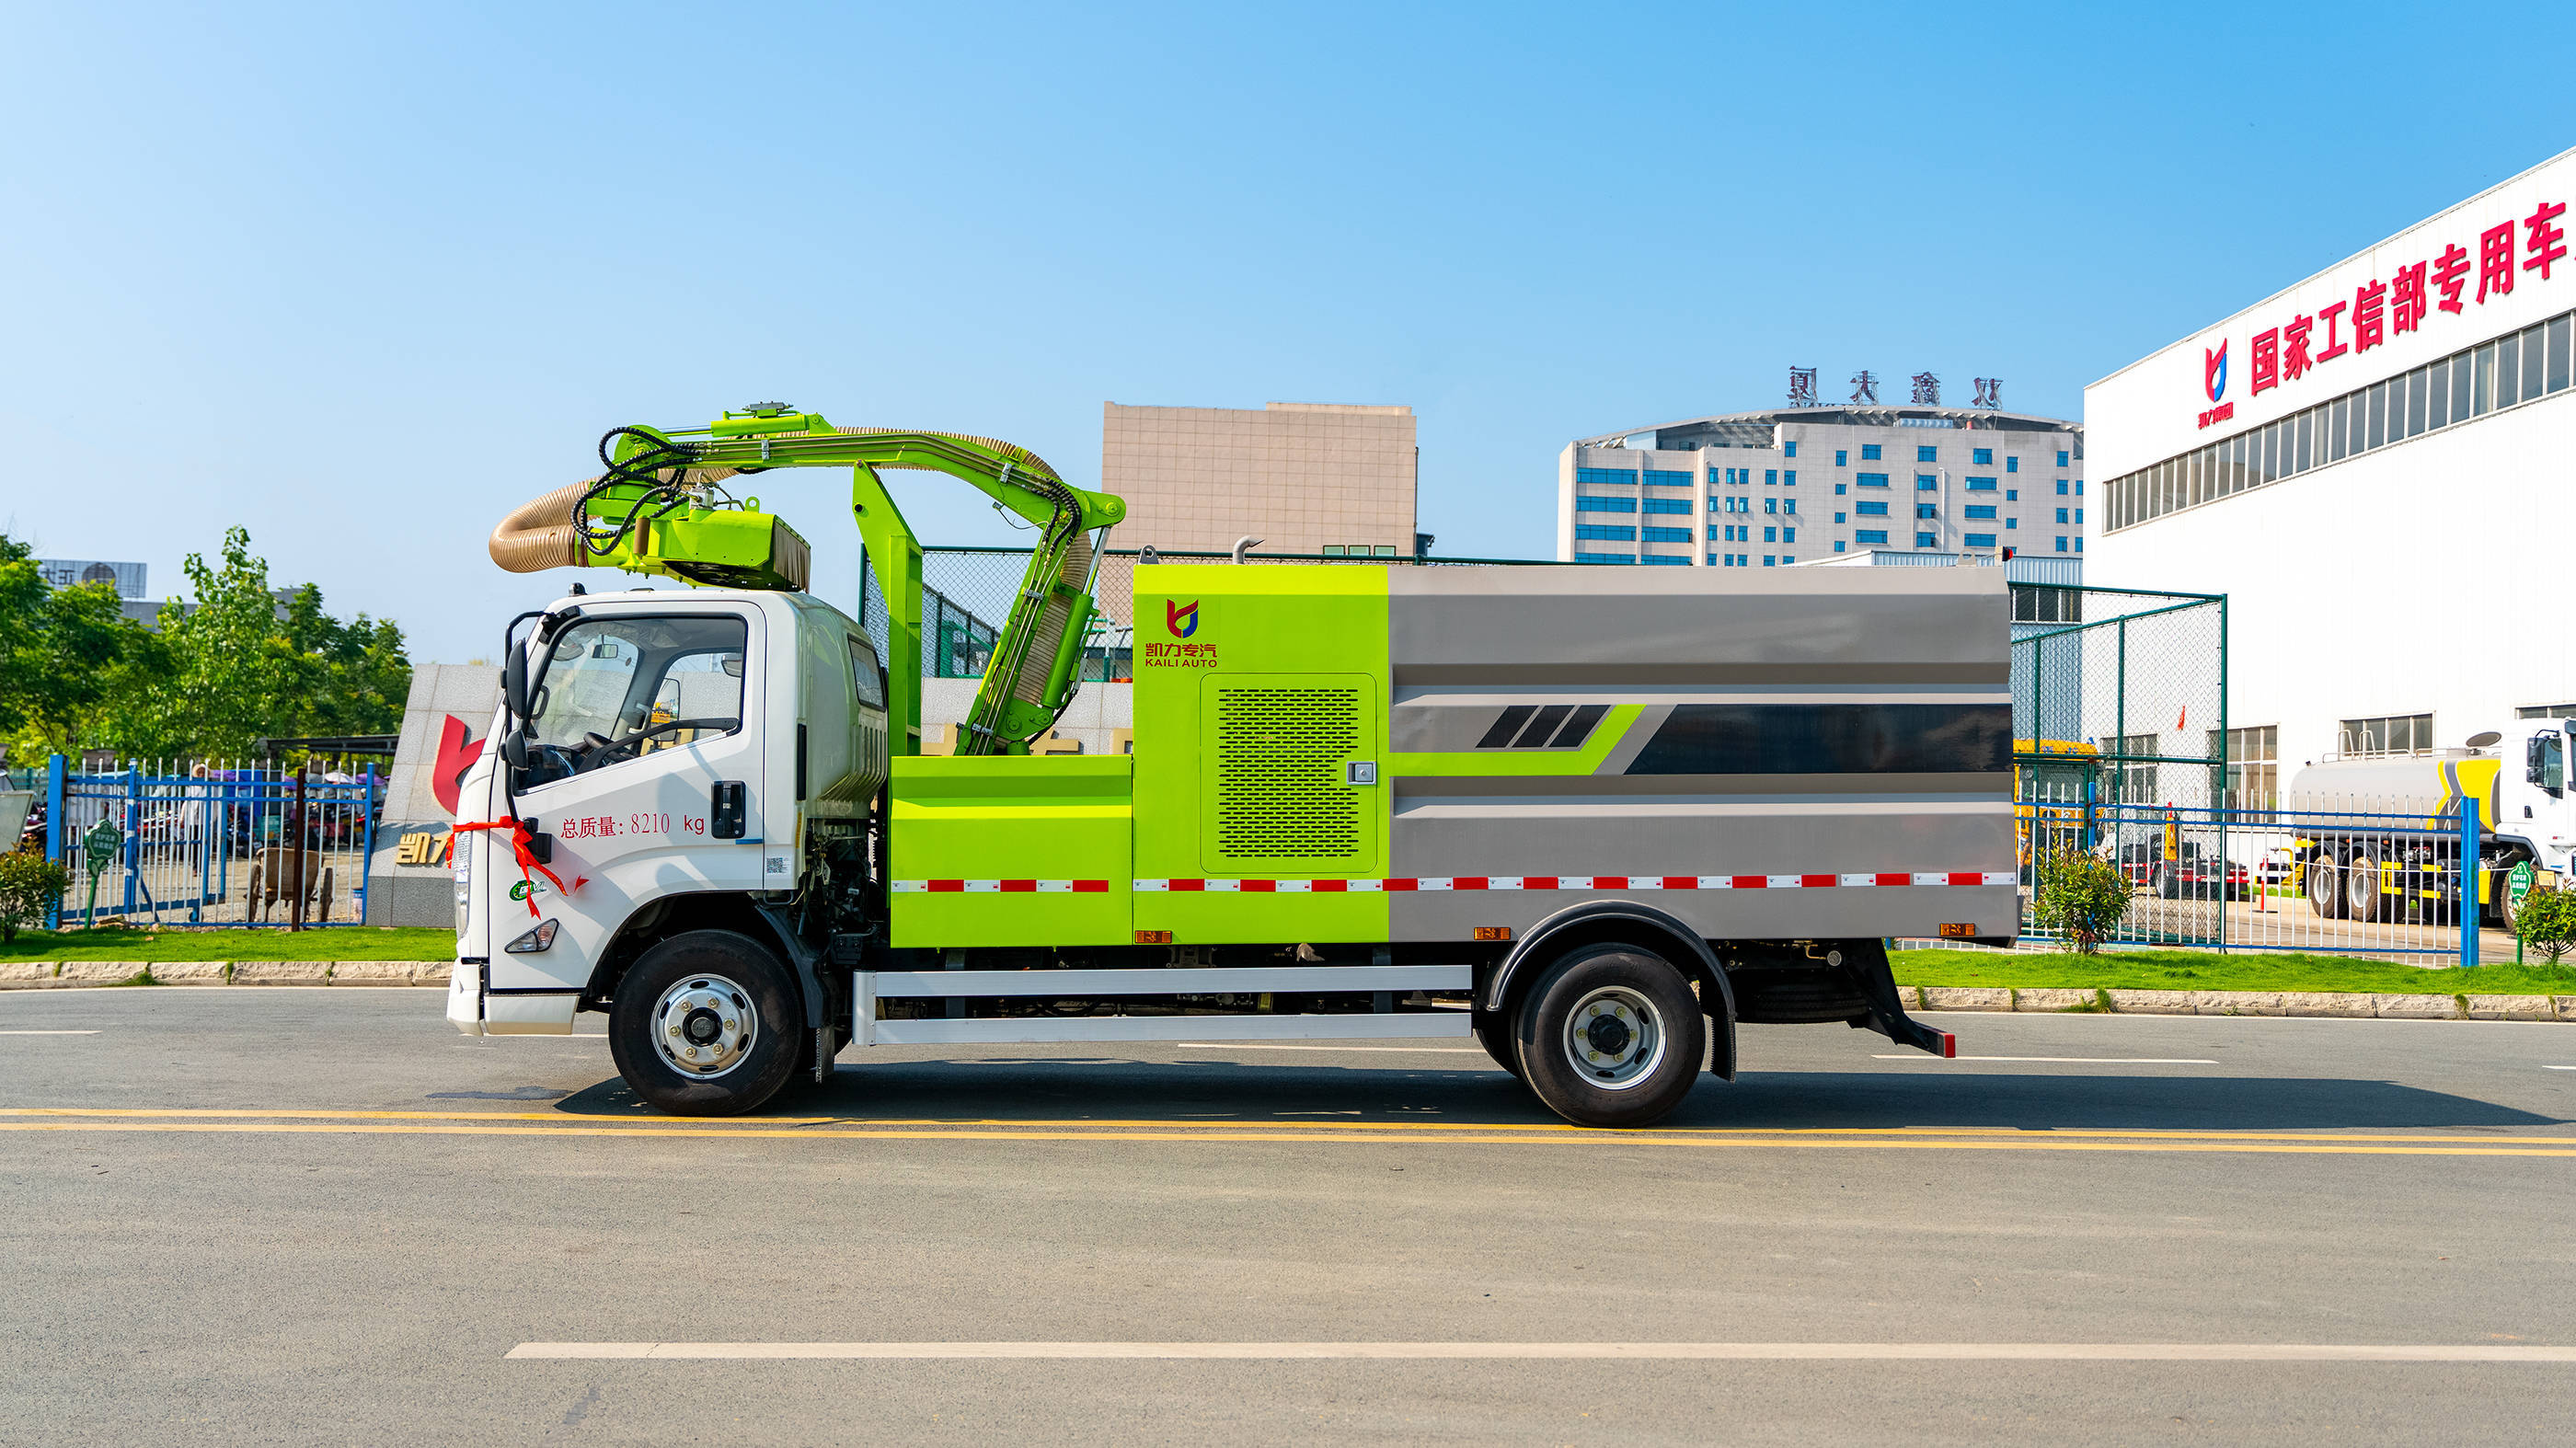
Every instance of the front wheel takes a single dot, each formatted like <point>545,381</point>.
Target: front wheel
<point>707,1023</point>
<point>2325,887</point>
<point>1611,1036</point>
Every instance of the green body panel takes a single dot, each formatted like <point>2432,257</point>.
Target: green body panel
<point>1011,818</point>
<point>1201,628</point>
<point>1614,727</point>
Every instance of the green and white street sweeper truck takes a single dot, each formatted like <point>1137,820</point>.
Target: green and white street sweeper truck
<point>1591,817</point>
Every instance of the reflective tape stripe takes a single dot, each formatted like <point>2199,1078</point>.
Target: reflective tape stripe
<point>1437,883</point>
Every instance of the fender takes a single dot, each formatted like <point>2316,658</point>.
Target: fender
<point>1599,919</point>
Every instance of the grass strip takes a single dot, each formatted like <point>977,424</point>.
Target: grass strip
<point>338,942</point>
<point>2208,970</point>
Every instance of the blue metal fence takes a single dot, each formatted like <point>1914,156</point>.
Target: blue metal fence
<point>211,844</point>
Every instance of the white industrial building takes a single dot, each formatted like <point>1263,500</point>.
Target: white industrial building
<point>2373,465</point>
<point>1789,485</point>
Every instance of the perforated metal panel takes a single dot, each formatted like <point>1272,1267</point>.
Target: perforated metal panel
<point>1278,795</point>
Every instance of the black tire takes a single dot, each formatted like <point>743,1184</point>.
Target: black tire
<point>2361,897</point>
<point>2164,883</point>
<point>1494,1033</point>
<point>728,965</point>
<point>1648,1021</point>
<point>2324,884</point>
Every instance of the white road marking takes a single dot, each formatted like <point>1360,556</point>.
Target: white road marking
<point>2558,1068</point>
<point>1749,1351</point>
<point>2066,1060</point>
<point>48,1033</point>
<point>1266,1046</point>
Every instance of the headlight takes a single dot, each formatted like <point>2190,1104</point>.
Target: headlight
<point>532,942</point>
<point>461,856</point>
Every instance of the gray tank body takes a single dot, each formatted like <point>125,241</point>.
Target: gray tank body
<point>1814,753</point>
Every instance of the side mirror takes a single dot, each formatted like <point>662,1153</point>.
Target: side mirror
<point>514,748</point>
<point>514,682</point>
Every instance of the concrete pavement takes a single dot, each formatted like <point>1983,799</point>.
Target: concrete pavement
<point>345,1277</point>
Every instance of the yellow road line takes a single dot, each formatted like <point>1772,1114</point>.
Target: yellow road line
<point>2383,1146</point>
<point>773,1125</point>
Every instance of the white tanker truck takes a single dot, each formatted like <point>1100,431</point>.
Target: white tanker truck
<point>2395,855</point>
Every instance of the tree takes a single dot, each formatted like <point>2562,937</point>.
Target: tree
<point>29,886</point>
<point>63,651</point>
<point>2080,895</point>
<point>2547,922</point>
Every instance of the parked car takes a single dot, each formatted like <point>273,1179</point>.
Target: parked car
<point>2191,873</point>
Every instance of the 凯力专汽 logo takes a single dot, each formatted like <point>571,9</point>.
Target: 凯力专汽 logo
<point>1181,618</point>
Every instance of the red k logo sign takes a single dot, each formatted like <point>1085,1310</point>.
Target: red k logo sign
<point>2213,371</point>
<point>457,751</point>
<point>1181,618</point>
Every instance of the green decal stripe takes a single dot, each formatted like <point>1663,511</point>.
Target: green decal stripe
<point>1500,762</point>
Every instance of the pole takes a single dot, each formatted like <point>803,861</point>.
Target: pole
<point>57,836</point>
<point>295,822</point>
<point>2468,880</point>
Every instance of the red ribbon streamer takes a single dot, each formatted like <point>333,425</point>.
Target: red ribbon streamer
<point>519,838</point>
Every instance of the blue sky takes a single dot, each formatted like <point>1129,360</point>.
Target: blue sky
<point>363,278</point>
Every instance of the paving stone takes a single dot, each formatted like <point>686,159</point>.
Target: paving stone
<point>26,974</point>
<point>431,972</point>
<point>2239,1003</point>
<point>2509,1008</point>
<point>2329,1003</point>
<point>2155,1002</point>
<point>2051,998</point>
<point>189,972</point>
<point>371,972</point>
<point>281,972</point>
<point>2566,1007</point>
<point>1966,998</point>
<point>2418,1008</point>
<point>99,972</point>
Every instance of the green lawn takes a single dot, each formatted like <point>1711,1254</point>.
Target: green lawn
<point>2203,970</point>
<point>347,942</point>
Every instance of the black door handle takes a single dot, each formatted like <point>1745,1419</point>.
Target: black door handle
<point>725,808</point>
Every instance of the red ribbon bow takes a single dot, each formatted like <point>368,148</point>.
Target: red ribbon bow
<point>519,839</point>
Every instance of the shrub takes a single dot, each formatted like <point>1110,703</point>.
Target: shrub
<point>2081,896</point>
<point>30,884</point>
<point>2547,922</point>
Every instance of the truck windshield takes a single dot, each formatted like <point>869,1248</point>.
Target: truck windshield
<point>618,688</point>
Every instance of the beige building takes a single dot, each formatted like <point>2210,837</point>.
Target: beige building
<point>1304,477</point>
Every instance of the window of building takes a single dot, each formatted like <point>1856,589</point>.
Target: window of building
<point>2010,523</point>
<point>1770,505</point>
<point>2079,487</point>
<point>1788,477</point>
<point>2061,515</point>
<point>2012,465</point>
<point>1927,454</point>
<point>1871,507</point>
<point>2546,711</point>
<point>1838,546</point>
<point>2079,545</point>
<point>1838,490</point>
<point>1605,505</point>
<point>1981,512</point>
<point>2079,517</point>
<point>1771,477</point>
<point>1668,505</point>
<point>1980,540</point>
<point>1788,505</point>
<point>1597,532</point>
<point>1605,475</point>
<point>2012,495</point>
<point>2061,457</point>
<point>1670,559</point>
<point>1926,540</point>
<point>1983,457</point>
<point>2252,767</point>
<point>1582,557</point>
<point>1770,535</point>
<point>1870,535</point>
<point>2390,734</point>
<point>1789,535</point>
<point>2061,542</point>
<point>2061,487</point>
<point>1926,482</point>
<point>1869,452</point>
<point>1769,560</point>
<point>1839,520</point>
<point>1870,480</point>
<point>1925,510</point>
<point>1981,485</point>
<point>1656,477</point>
<point>1842,457</point>
<point>1788,449</point>
<point>1668,535</point>
<point>2132,758</point>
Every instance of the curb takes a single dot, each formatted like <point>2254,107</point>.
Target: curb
<point>92,974</point>
<point>2354,1006</point>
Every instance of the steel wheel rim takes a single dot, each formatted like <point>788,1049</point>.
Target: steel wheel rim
<point>2361,888</point>
<point>704,1026</point>
<point>2322,885</point>
<point>1615,1038</point>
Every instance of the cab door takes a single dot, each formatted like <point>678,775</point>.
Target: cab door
<point>644,751</point>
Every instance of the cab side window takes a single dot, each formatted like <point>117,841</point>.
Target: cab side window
<point>615,689</point>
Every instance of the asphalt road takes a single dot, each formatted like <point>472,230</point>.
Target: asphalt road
<point>247,1274</point>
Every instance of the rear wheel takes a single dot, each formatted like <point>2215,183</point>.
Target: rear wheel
<point>707,1023</point>
<point>1611,1036</point>
<point>2361,897</point>
<point>2325,887</point>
